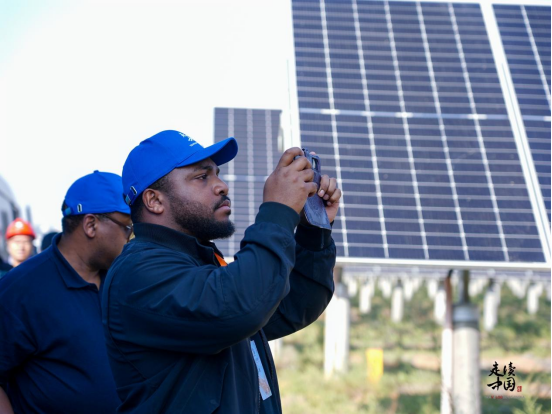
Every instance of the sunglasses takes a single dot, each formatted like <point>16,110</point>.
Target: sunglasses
<point>127,229</point>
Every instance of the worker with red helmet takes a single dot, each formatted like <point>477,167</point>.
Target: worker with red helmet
<point>19,237</point>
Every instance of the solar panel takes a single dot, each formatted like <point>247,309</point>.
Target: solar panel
<point>525,34</point>
<point>403,103</point>
<point>257,132</point>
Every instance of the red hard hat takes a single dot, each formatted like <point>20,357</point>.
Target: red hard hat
<point>20,227</point>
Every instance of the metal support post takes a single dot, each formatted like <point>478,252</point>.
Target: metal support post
<point>447,350</point>
<point>466,384</point>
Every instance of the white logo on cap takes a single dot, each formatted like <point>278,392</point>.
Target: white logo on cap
<point>189,139</point>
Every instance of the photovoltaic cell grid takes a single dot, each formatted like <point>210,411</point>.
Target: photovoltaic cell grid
<point>256,131</point>
<point>403,103</point>
<point>525,33</point>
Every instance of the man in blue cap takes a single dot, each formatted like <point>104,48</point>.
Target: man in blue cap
<point>52,349</point>
<point>186,332</point>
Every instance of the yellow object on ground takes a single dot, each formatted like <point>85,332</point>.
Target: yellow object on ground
<point>374,360</point>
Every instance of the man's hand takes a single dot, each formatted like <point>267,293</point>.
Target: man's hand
<point>5,404</point>
<point>291,182</point>
<point>330,194</point>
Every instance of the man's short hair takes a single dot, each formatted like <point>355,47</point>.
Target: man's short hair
<point>137,207</point>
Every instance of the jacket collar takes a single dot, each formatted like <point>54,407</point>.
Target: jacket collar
<point>70,277</point>
<point>176,240</point>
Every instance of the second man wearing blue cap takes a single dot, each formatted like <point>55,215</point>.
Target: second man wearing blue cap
<point>52,349</point>
<point>186,332</point>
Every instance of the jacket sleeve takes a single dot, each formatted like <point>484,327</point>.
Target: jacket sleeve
<point>311,282</point>
<point>162,299</point>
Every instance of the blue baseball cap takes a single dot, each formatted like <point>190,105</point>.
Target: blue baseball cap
<point>158,155</point>
<point>96,193</point>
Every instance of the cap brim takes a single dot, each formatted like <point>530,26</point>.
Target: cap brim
<point>221,153</point>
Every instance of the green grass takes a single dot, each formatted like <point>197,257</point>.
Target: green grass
<point>411,380</point>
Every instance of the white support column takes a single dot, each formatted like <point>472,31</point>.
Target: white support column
<point>454,281</point>
<point>352,286</point>
<point>490,308</point>
<point>513,286</point>
<point>365,299</point>
<point>477,286</point>
<point>518,287</point>
<point>408,287</point>
<point>336,335</point>
<point>385,287</point>
<point>523,287</point>
<point>432,285</point>
<point>483,283</point>
<point>497,290</point>
<point>416,283</point>
<point>473,287</point>
<point>397,303</point>
<point>533,293</point>
<point>440,304</point>
<point>540,288</point>
<point>372,282</point>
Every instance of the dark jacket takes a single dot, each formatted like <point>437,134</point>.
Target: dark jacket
<point>179,327</point>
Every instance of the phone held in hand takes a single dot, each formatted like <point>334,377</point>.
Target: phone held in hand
<point>315,211</point>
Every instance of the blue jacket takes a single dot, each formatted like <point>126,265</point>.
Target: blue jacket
<point>179,327</point>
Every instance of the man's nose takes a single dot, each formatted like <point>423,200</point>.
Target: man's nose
<point>221,188</point>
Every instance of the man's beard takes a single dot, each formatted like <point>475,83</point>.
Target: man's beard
<point>199,220</point>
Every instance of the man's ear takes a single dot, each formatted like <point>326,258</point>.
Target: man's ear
<point>153,201</point>
<point>90,225</point>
